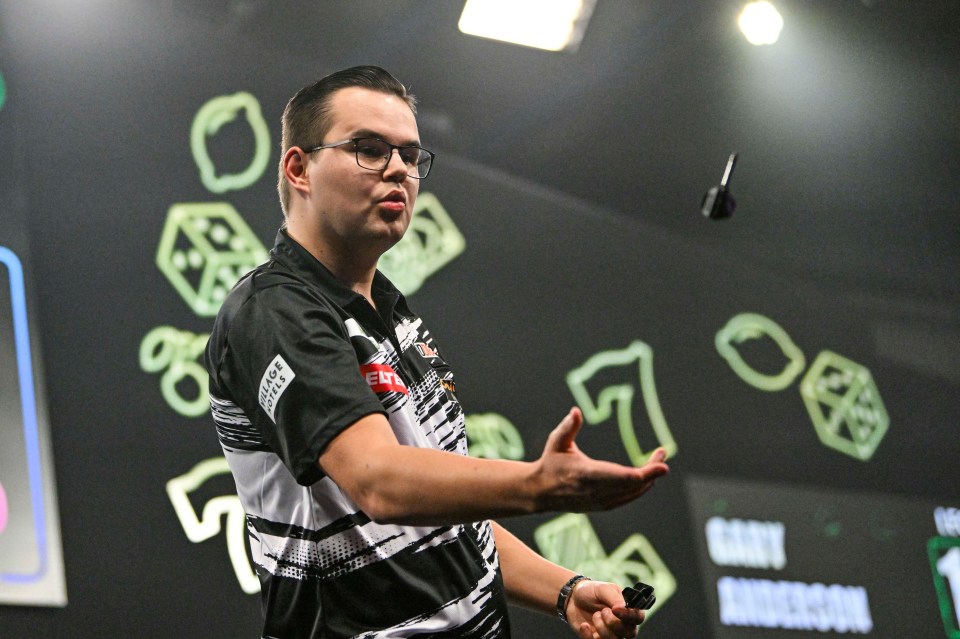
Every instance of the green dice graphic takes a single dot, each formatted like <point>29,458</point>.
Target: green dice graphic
<point>571,541</point>
<point>431,242</point>
<point>204,249</point>
<point>844,405</point>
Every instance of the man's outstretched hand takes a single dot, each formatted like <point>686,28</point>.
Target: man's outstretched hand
<point>574,482</point>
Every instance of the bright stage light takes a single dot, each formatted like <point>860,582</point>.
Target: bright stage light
<point>554,25</point>
<point>760,23</point>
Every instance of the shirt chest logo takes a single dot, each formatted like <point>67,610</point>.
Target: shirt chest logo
<point>383,379</point>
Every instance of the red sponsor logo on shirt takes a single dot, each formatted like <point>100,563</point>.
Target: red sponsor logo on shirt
<point>383,379</point>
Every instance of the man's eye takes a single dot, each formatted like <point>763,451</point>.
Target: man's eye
<point>371,149</point>
<point>410,155</point>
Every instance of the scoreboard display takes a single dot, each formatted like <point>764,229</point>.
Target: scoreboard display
<point>776,560</point>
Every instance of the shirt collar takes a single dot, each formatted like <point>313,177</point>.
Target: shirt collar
<point>291,254</point>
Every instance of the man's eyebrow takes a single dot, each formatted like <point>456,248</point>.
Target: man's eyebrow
<point>370,133</point>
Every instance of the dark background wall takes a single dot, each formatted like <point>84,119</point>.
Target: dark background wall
<point>575,181</point>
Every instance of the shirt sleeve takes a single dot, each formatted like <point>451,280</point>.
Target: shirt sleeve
<point>288,363</point>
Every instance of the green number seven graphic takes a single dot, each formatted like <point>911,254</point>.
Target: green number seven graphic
<point>619,397</point>
<point>208,523</point>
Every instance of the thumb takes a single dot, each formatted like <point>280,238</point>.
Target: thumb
<point>563,436</point>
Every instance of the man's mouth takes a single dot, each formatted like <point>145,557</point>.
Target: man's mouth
<point>394,201</point>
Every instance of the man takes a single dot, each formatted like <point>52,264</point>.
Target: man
<point>340,420</point>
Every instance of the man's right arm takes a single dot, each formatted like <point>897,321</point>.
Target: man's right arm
<point>421,486</point>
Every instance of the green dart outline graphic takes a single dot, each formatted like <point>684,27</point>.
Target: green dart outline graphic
<point>208,523</point>
<point>754,326</point>
<point>622,395</point>
<point>431,242</point>
<point>571,541</point>
<point>207,122</point>
<point>493,436</point>
<point>948,596</point>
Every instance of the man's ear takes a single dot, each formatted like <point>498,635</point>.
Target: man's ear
<point>294,165</point>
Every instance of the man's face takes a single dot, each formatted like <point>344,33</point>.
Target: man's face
<point>356,209</point>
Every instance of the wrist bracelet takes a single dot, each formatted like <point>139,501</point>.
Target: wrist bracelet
<point>565,593</point>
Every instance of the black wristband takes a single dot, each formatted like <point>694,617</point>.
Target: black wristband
<point>565,593</point>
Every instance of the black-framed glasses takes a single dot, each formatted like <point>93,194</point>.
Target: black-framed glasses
<point>374,154</point>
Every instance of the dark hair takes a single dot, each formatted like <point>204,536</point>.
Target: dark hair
<point>306,119</point>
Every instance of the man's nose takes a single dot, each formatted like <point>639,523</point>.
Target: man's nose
<point>396,170</point>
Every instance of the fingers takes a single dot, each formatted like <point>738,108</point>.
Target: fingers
<point>565,433</point>
<point>612,619</point>
<point>601,485</point>
<point>655,465</point>
<point>631,478</point>
<point>608,625</point>
<point>629,616</point>
<point>576,482</point>
<point>654,468</point>
<point>602,607</point>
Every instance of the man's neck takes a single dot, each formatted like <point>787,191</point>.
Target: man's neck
<point>351,268</point>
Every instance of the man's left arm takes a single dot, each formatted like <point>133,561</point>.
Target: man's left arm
<point>595,609</point>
